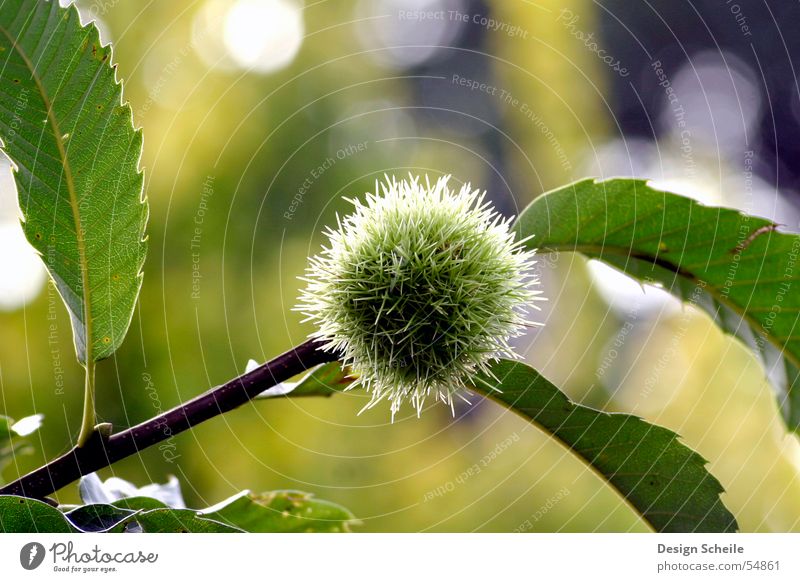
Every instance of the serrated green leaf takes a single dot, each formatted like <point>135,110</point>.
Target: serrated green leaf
<point>664,480</point>
<point>280,511</point>
<point>736,267</point>
<point>23,515</point>
<point>63,124</point>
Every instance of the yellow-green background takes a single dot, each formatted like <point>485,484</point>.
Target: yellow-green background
<point>253,135</point>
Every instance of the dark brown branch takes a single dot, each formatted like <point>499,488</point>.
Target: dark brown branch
<point>101,451</point>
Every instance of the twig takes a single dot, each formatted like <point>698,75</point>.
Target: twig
<point>102,450</point>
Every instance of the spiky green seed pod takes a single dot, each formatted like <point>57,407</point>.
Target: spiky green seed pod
<point>418,289</point>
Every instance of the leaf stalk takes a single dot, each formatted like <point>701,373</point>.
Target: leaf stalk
<point>89,419</point>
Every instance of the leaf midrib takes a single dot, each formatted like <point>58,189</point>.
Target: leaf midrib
<point>73,197</point>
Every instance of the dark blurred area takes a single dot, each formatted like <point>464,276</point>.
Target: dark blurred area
<point>259,116</point>
<point>735,65</point>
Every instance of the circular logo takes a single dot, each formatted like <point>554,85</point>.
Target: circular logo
<point>31,555</point>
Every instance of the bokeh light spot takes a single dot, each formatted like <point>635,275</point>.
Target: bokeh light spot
<point>263,35</point>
